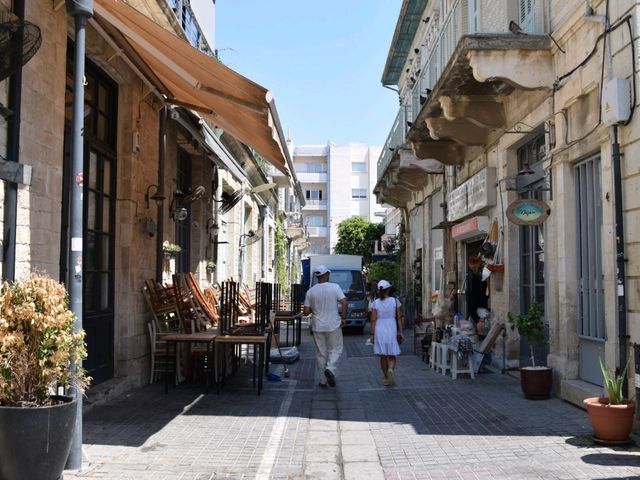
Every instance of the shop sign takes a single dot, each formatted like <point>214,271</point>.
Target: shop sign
<point>471,228</point>
<point>528,211</point>
<point>475,194</point>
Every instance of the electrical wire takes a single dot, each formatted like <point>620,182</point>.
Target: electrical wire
<point>612,28</point>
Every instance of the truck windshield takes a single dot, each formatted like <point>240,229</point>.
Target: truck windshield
<point>351,282</point>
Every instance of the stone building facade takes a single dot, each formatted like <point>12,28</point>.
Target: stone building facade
<point>135,196</point>
<point>506,101</point>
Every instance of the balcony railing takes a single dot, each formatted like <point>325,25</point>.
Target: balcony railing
<point>312,177</point>
<point>440,46</point>
<point>315,204</point>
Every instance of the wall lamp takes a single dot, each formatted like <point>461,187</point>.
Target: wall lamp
<point>156,197</point>
<point>528,179</point>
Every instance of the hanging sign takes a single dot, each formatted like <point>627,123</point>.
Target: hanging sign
<point>528,211</point>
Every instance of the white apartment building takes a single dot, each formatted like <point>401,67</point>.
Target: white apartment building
<point>337,181</point>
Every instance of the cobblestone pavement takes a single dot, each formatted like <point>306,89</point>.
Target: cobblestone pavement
<point>427,427</point>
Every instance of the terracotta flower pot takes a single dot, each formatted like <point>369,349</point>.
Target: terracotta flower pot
<point>536,382</point>
<point>611,423</point>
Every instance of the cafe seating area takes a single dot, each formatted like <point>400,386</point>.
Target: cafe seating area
<point>199,330</point>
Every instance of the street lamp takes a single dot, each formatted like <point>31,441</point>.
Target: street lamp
<point>241,247</point>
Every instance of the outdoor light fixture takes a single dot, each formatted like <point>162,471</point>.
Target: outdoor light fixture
<point>212,227</point>
<point>156,197</point>
<point>179,214</point>
<point>525,171</point>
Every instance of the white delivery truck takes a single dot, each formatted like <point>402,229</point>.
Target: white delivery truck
<point>346,271</point>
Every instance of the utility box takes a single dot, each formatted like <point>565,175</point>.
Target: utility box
<point>616,101</point>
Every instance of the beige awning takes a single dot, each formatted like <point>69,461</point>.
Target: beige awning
<point>188,77</point>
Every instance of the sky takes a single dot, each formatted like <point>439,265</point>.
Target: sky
<point>323,62</point>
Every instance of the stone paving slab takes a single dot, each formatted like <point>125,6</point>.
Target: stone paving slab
<point>427,427</point>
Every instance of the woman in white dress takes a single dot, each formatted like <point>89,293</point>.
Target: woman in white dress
<point>386,330</point>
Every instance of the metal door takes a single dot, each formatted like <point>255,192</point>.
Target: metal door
<point>590,302</point>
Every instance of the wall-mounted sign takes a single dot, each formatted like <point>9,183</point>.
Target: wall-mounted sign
<point>472,228</point>
<point>528,211</point>
<point>475,194</point>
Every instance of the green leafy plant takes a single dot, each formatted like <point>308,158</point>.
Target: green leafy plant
<point>613,383</point>
<point>168,247</point>
<point>210,265</point>
<point>280,251</point>
<point>384,269</point>
<point>357,236</point>
<point>39,347</point>
<point>530,326</point>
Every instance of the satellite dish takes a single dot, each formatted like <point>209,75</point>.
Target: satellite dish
<point>19,41</point>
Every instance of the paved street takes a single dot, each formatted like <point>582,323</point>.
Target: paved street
<point>427,427</point>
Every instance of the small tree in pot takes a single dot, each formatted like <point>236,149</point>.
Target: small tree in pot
<point>535,380</point>
<point>39,353</point>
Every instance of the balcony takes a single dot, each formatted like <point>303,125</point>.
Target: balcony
<point>314,205</point>
<point>455,105</point>
<point>317,231</point>
<point>312,177</point>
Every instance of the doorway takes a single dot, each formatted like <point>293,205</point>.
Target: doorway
<point>99,201</point>
<point>476,290</point>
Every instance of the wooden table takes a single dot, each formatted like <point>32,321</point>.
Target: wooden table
<point>259,343</point>
<point>200,337</point>
<point>289,318</point>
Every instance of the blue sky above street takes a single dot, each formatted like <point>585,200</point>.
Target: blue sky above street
<point>322,61</point>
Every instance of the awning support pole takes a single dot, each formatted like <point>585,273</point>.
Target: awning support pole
<point>81,10</point>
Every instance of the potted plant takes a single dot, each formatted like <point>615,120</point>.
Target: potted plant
<point>535,380</point>
<point>170,249</point>
<point>611,417</point>
<point>40,355</point>
<point>211,265</point>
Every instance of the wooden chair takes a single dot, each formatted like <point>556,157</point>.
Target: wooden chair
<point>201,301</point>
<point>162,305</point>
<point>160,361</point>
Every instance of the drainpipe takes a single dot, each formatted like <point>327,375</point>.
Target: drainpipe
<point>13,155</point>
<point>623,336</point>
<point>162,153</point>
<point>81,10</point>
<point>408,276</point>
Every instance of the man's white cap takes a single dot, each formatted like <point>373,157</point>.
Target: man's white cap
<point>383,285</point>
<point>321,270</point>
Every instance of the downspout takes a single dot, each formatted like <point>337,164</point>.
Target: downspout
<point>81,11</point>
<point>623,336</point>
<point>408,277</point>
<point>162,153</point>
<point>13,155</point>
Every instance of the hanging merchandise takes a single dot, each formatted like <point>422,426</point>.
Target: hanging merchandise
<point>443,309</point>
<point>492,245</point>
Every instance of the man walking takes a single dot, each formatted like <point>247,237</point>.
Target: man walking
<point>321,302</point>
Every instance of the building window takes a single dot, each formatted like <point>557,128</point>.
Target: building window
<point>358,167</point>
<point>358,193</point>
<point>314,221</point>
<point>316,168</point>
<point>314,194</point>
